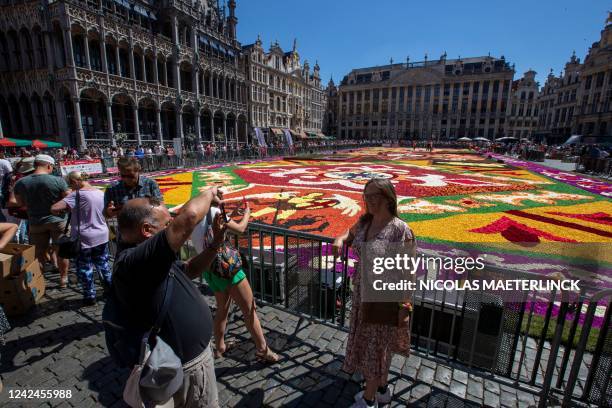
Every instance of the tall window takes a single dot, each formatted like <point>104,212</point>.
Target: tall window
<point>94,56</point>
<point>79,51</point>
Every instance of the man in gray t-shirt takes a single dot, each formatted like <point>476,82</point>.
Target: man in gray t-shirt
<point>38,192</point>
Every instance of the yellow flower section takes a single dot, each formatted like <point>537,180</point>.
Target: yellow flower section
<point>176,188</point>
<point>457,227</point>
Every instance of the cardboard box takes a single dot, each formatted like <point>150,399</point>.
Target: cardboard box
<point>19,293</point>
<point>5,265</point>
<point>23,256</point>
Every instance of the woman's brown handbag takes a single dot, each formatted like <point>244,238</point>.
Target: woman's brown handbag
<point>385,313</point>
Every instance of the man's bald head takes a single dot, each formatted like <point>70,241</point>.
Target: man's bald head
<point>141,218</point>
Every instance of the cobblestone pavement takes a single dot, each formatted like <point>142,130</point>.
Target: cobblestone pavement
<point>60,345</point>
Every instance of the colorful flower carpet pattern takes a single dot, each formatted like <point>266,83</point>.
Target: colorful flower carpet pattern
<point>452,199</point>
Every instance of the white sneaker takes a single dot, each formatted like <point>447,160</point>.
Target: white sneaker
<point>381,399</point>
<point>360,403</point>
<point>384,399</point>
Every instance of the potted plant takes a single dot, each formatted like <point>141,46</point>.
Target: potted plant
<point>120,138</point>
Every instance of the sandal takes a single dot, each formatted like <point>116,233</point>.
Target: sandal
<point>267,356</point>
<point>228,346</point>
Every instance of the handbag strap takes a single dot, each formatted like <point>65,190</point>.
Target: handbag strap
<point>367,231</point>
<point>166,303</point>
<point>67,223</point>
<point>78,208</point>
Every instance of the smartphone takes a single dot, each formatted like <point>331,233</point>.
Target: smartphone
<point>223,213</point>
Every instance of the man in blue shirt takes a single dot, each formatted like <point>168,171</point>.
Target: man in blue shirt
<point>139,153</point>
<point>132,185</point>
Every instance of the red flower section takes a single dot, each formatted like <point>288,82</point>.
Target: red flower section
<point>516,232</point>
<point>599,218</point>
<point>409,181</point>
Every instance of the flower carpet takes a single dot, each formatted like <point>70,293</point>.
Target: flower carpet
<point>452,199</point>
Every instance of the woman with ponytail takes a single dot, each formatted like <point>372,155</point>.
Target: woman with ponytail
<point>87,223</point>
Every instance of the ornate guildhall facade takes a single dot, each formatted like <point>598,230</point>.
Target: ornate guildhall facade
<point>284,93</point>
<point>439,99</point>
<point>82,71</point>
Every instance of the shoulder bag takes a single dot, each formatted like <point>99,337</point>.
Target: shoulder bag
<point>158,375</point>
<point>69,247</point>
<point>385,313</point>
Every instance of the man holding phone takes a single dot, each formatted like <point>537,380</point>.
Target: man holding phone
<point>132,185</point>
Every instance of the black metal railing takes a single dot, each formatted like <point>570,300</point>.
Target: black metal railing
<point>533,341</point>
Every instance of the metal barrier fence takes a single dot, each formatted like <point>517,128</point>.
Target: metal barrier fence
<point>531,342</point>
<point>196,159</point>
<point>558,350</point>
<point>601,167</point>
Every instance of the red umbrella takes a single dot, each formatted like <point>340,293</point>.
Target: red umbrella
<point>7,142</point>
<point>44,144</point>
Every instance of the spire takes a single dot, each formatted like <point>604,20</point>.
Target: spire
<point>294,44</point>
<point>391,61</point>
<point>573,57</point>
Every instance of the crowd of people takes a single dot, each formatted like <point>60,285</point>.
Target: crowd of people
<point>149,289</point>
<point>589,158</point>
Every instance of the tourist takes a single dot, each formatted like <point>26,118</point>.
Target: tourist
<point>371,345</point>
<point>87,223</point>
<point>139,153</point>
<point>147,258</point>
<point>7,232</point>
<point>131,185</point>
<point>14,212</point>
<point>230,285</point>
<point>38,192</point>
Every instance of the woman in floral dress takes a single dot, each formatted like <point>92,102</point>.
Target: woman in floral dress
<point>371,346</point>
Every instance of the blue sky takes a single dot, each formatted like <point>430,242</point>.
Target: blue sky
<point>347,34</point>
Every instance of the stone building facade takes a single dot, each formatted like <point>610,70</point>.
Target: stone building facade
<point>83,71</point>
<point>284,92</point>
<point>330,121</point>
<point>432,99</point>
<point>522,114</point>
<point>579,100</point>
<point>557,104</point>
<point>594,109</point>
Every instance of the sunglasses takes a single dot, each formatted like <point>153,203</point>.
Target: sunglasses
<point>371,196</point>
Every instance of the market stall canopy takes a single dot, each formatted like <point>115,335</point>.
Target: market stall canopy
<point>572,140</point>
<point>464,139</point>
<point>10,142</point>
<point>480,139</point>
<point>277,131</point>
<point>299,135</point>
<point>312,135</point>
<point>45,144</point>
